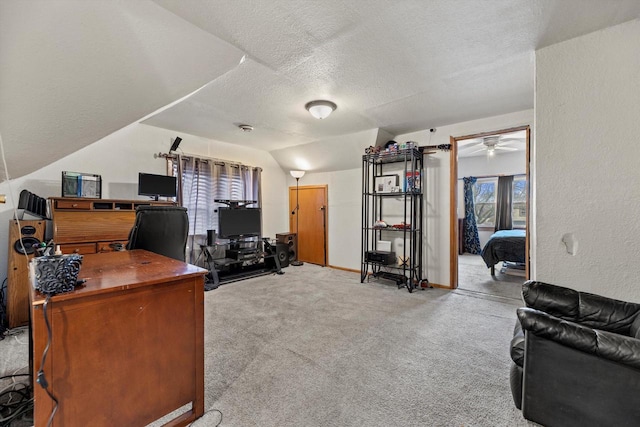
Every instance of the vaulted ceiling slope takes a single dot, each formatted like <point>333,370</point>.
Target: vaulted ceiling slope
<point>72,72</point>
<point>399,65</point>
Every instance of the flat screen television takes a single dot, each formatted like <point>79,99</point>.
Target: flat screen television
<point>234,223</point>
<point>157,185</point>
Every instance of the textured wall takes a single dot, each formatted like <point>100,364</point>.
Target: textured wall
<point>587,157</point>
<point>345,195</point>
<point>437,198</point>
<point>343,214</point>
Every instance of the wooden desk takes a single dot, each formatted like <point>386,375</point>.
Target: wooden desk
<point>127,348</point>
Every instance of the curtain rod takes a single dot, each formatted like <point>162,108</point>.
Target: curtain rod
<point>195,156</point>
<point>494,176</point>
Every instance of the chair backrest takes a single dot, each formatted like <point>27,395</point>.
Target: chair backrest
<point>160,229</point>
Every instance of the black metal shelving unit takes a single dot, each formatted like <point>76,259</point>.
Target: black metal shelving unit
<point>404,203</point>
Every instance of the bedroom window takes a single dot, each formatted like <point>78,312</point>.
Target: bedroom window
<point>484,197</point>
<point>519,214</point>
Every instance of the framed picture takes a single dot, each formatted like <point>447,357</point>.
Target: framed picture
<point>385,183</point>
<point>77,184</point>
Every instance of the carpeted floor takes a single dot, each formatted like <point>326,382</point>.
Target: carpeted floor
<point>315,347</point>
<point>474,276</point>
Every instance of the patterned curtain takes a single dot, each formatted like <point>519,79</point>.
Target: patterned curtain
<point>504,203</point>
<point>471,239</point>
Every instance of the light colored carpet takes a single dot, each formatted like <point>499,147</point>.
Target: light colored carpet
<point>315,347</point>
<point>474,276</point>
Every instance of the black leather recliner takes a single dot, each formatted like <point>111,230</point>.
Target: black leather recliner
<point>160,229</point>
<point>576,358</point>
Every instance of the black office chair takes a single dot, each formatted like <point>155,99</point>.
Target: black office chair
<point>160,229</point>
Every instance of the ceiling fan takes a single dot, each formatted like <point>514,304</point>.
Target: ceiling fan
<point>491,144</point>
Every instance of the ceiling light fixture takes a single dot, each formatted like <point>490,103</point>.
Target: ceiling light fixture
<point>320,109</point>
<point>245,128</point>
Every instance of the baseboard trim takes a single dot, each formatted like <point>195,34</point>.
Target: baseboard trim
<point>351,270</point>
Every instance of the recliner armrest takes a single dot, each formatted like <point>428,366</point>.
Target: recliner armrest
<point>611,346</point>
<point>587,309</point>
<point>517,345</point>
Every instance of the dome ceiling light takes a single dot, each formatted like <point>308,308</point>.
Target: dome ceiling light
<point>320,109</point>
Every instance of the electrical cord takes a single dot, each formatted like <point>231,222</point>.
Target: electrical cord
<point>219,422</point>
<point>13,410</point>
<point>209,411</point>
<point>41,379</point>
<point>14,375</point>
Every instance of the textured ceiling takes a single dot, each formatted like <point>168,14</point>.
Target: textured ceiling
<point>396,65</point>
<point>72,72</point>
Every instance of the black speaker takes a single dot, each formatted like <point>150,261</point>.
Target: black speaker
<point>22,239</point>
<point>292,244</point>
<point>282,253</point>
<point>211,237</point>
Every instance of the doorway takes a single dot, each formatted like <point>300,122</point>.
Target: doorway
<point>485,159</point>
<point>310,222</point>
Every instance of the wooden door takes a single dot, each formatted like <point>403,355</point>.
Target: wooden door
<point>311,222</point>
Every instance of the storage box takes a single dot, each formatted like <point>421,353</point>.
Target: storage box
<point>383,245</point>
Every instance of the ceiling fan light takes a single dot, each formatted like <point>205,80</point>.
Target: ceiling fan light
<point>320,109</point>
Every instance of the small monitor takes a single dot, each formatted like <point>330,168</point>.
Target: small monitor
<point>157,185</point>
<point>234,223</point>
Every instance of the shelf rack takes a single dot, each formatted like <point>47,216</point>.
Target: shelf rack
<point>404,202</point>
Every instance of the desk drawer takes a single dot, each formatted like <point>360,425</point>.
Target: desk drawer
<point>79,248</point>
<point>73,204</point>
<point>111,246</point>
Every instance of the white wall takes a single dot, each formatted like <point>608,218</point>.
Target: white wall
<point>437,171</point>
<point>344,214</point>
<point>345,197</point>
<point>120,156</point>
<point>586,162</point>
<point>499,164</point>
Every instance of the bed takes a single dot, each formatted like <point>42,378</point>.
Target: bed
<point>504,245</point>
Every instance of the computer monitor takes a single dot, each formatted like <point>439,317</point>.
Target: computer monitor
<point>157,185</point>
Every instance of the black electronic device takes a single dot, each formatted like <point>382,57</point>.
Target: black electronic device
<point>211,237</point>
<point>157,185</point>
<point>241,253</point>
<point>381,257</point>
<point>175,144</point>
<point>239,222</point>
